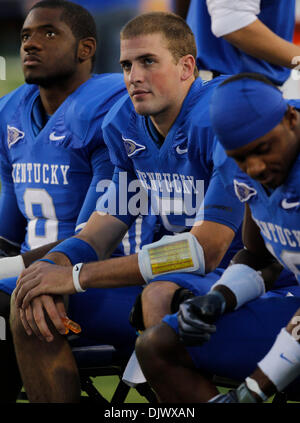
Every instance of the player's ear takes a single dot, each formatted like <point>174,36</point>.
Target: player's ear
<point>291,116</point>
<point>188,66</point>
<point>86,48</point>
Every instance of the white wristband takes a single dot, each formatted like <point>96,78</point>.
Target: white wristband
<point>282,363</point>
<point>245,283</point>
<point>76,272</point>
<point>11,266</point>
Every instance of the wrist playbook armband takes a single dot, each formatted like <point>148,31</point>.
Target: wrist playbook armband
<point>76,250</point>
<point>245,283</point>
<point>172,253</point>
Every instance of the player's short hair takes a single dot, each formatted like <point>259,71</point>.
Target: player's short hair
<point>178,34</point>
<point>78,19</point>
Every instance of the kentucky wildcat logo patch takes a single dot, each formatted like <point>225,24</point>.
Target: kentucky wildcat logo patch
<point>132,147</point>
<point>13,135</point>
<point>243,191</point>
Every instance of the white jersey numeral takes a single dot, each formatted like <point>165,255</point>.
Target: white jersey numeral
<point>42,198</point>
<point>289,259</point>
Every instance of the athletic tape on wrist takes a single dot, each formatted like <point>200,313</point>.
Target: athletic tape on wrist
<point>244,395</point>
<point>282,363</point>
<point>245,283</point>
<point>171,254</point>
<point>254,387</point>
<point>11,266</point>
<point>76,250</point>
<point>76,273</point>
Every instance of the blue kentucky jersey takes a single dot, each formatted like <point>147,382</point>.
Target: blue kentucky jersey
<point>277,215</point>
<point>219,55</point>
<point>170,179</point>
<point>50,176</point>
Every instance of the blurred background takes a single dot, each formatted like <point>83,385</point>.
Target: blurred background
<point>110,16</point>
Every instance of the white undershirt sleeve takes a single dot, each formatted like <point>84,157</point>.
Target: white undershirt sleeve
<point>230,15</point>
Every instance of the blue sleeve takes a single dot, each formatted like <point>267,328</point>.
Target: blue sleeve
<point>113,125</point>
<point>102,175</point>
<point>98,154</point>
<point>12,222</point>
<point>226,168</point>
<point>117,199</point>
<point>220,205</point>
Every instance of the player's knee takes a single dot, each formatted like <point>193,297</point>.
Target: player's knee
<point>157,297</point>
<point>154,347</point>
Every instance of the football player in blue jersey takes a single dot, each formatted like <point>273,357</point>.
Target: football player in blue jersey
<point>156,144</point>
<point>53,160</point>
<point>235,36</point>
<point>260,130</point>
<point>268,163</point>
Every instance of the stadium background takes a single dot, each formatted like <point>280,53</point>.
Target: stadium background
<point>12,13</point>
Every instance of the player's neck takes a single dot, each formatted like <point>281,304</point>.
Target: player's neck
<point>164,120</point>
<point>53,96</point>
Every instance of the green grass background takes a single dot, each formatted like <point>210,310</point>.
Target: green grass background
<point>14,75</point>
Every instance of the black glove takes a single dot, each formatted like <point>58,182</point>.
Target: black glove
<point>196,317</point>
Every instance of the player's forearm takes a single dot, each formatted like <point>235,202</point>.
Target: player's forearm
<point>111,273</point>
<point>215,239</point>
<point>58,258</point>
<point>268,266</point>
<point>103,233</point>
<point>259,41</point>
<point>30,256</point>
<point>96,241</point>
<point>256,261</point>
<point>13,266</point>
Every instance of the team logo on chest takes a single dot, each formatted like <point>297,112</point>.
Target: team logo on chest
<point>132,147</point>
<point>13,135</point>
<point>243,191</point>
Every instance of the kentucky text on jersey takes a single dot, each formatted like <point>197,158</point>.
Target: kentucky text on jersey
<point>168,182</point>
<point>163,196</point>
<point>279,234</point>
<point>46,173</point>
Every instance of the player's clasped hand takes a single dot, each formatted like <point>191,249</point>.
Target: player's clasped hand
<point>43,278</point>
<point>196,317</point>
<point>34,317</point>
